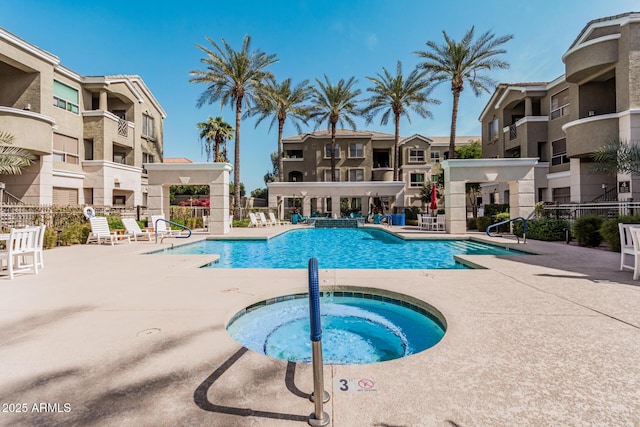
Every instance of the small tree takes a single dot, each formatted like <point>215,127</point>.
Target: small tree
<point>13,159</point>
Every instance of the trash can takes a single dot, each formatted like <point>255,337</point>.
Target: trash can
<point>397,219</point>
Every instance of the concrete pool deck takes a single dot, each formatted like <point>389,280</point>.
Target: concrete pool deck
<point>108,336</point>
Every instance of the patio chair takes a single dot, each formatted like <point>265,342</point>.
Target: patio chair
<point>440,223</point>
<point>626,244</point>
<point>22,243</point>
<point>133,229</point>
<point>275,220</point>
<point>254,220</point>
<point>162,228</point>
<point>39,246</point>
<point>635,237</point>
<point>100,232</point>
<point>264,219</point>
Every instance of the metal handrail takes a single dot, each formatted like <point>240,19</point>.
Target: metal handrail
<point>497,224</point>
<point>179,236</point>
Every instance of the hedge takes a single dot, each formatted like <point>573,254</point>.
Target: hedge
<point>549,230</point>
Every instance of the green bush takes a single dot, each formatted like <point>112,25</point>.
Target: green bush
<point>50,238</point>
<point>503,216</point>
<point>412,213</point>
<point>472,224</point>
<point>495,208</point>
<point>115,223</point>
<point>75,234</point>
<point>542,229</point>
<point>586,229</point>
<point>483,222</point>
<point>610,232</point>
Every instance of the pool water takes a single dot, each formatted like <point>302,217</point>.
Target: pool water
<point>337,248</point>
<point>355,330</point>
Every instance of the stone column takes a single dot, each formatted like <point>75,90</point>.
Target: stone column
<point>306,206</point>
<point>455,199</point>
<point>528,107</point>
<point>102,103</point>
<point>335,206</point>
<point>219,206</point>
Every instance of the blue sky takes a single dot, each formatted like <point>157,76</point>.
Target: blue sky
<point>157,40</point>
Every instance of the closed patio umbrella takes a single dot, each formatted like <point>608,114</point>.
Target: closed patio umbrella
<point>434,198</point>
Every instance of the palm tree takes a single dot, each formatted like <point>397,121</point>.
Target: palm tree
<point>233,77</point>
<point>214,133</point>
<point>617,156</point>
<point>461,62</point>
<point>282,101</point>
<point>336,104</point>
<point>393,95</point>
<point>13,159</point>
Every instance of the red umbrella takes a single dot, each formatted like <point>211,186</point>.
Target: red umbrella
<point>434,198</point>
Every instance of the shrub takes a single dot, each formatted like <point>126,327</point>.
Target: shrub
<point>483,222</point>
<point>472,224</point>
<point>542,229</point>
<point>75,234</point>
<point>50,238</point>
<point>412,213</point>
<point>495,208</point>
<point>503,216</point>
<point>610,232</point>
<point>114,222</point>
<point>586,229</point>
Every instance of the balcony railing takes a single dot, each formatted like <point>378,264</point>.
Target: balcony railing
<point>513,132</point>
<point>123,127</point>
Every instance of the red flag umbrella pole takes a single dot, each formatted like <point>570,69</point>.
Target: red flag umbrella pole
<point>434,198</point>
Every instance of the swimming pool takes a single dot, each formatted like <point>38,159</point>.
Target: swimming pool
<point>358,327</point>
<point>337,248</point>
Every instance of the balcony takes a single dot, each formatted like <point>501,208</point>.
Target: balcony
<point>591,58</point>
<point>32,131</point>
<point>586,135</point>
<point>103,126</point>
<point>525,134</point>
<point>382,174</point>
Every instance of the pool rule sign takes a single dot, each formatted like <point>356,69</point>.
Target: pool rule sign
<point>355,384</point>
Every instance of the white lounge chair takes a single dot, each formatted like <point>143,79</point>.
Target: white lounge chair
<point>100,232</point>
<point>134,230</point>
<point>39,246</point>
<point>440,223</point>
<point>254,220</point>
<point>22,243</point>
<point>264,219</point>
<point>162,228</point>
<point>626,244</point>
<point>275,220</point>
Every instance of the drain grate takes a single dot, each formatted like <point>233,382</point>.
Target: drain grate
<point>150,331</point>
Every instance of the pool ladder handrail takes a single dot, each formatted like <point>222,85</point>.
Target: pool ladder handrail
<point>318,417</point>
<point>519,218</point>
<point>179,236</point>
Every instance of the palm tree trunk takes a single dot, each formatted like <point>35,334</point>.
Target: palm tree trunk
<point>454,120</point>
<point>333,152</point>
<point>280,150</point>
<point>396,149</point>
<point>236,161</point>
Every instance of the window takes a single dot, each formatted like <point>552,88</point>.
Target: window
<point>356,175</point>
<point>435,157</point>
<point>148,126</point>
<point>65,149</point>
<point>417,180</point>
<point>356,150</point>
<point>327,151</point>
<point>327,175</point>
<point>561,195</point>
<point>559,152</point>
<point>88,149</point>
<point>65,196</point>
<point>147,158</point>
<point>119,157</point>
<point>293,154</point>
<point>493,129</point>
<point>560,104</point>
<point>416,155</point>
<point>65,97</point>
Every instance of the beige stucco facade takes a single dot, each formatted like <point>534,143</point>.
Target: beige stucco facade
<point>91,135</point>
<point>563,122</point>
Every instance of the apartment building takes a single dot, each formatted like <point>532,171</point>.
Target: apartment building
<point>563,122</point>
<point>91,135</point>
<point>362,158</point>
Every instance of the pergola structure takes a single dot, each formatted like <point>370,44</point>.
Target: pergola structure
<point>519,173</point>
<point>163,175</point>
<point>280,191</point>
